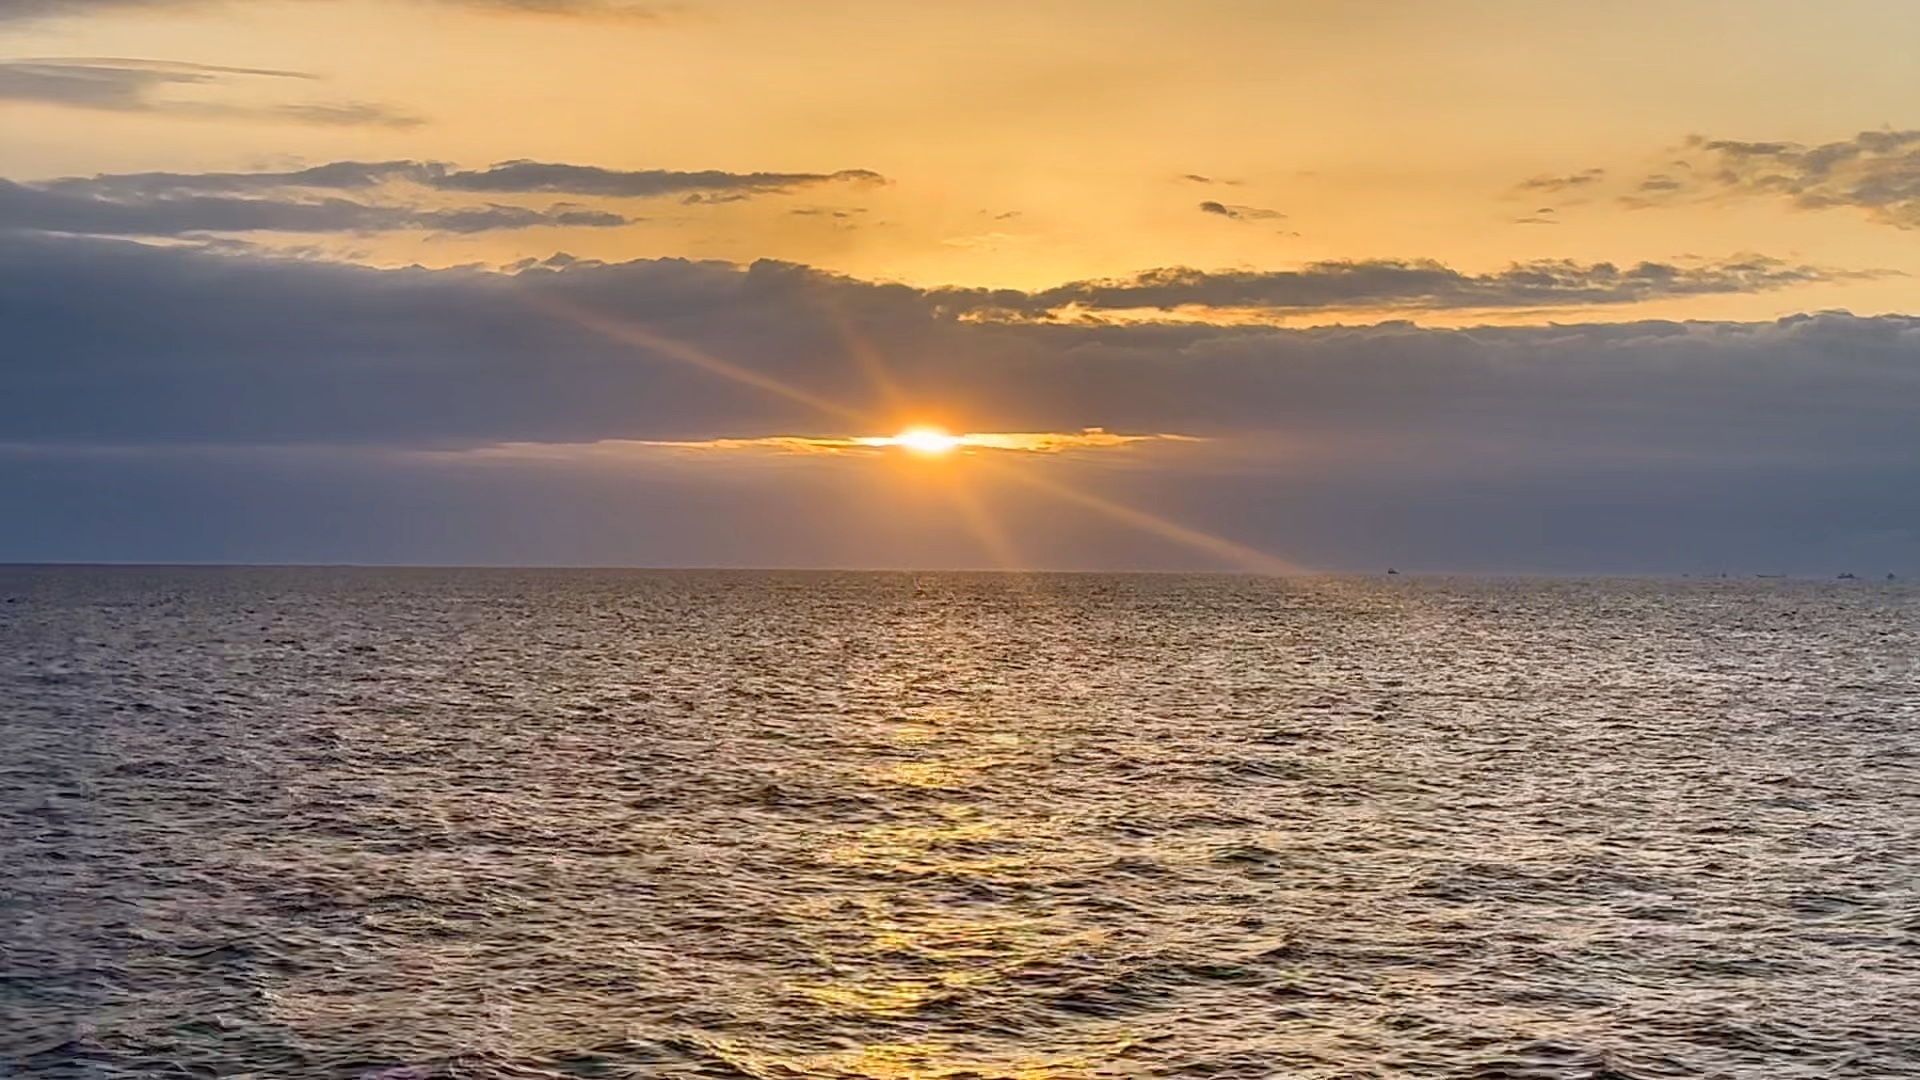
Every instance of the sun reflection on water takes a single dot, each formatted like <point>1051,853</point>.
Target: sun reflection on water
<point>920,952</point>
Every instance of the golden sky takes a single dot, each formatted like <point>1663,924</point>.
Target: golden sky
<point>1028,144</point>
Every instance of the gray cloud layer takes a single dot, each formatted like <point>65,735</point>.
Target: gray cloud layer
<point>1640,445</point>
<point>122,85</point>
<point>1633,445</point>
<point>459,347</point>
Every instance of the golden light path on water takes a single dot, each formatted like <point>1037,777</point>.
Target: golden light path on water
<point>919,953</point>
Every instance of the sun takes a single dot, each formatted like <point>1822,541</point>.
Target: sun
<point>931,441</point>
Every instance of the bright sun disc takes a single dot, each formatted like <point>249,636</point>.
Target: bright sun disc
<point>926,440</point>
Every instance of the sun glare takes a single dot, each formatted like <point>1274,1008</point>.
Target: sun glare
<point>926,440</point>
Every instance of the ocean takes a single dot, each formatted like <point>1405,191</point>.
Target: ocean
<point>410,824</point>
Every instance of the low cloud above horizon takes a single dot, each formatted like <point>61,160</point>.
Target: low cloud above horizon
<point>1302,430</point>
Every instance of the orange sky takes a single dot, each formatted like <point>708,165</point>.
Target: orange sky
<point>1029,144</point>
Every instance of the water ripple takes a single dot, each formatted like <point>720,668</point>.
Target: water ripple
<point>409,825</point>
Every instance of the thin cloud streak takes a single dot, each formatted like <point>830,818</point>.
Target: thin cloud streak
<point>13,11</point>
<point>30,209</point>
<point>504,178</point>
<point>1557,184</point>
<point>134,86</point>
<point>364,197</point>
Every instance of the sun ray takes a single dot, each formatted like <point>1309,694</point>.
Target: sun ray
<point>1250,559</point>
<point>869,358</point>
<point>983,525</point>
<point>631,333</point>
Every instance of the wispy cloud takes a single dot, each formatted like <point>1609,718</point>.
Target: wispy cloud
<point>630,9</point>
<point>28,10</point>
<point>38,209</point>
<point>356,196</point>
<point>505,178</point>
<point>1876,172</point>
<point>137,86</point>
<point>538,176</point>
<point>1566,182</point>
<point>1240,213</point>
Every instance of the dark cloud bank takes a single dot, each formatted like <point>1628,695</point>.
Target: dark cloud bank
<point>174,404</point>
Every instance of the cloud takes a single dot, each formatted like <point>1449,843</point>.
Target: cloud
<point>171,402</point>
<point>506,178</point>
<point>346,114</point>
<point>1568,182</point>
<point>1418,285</point>
<point>123,85</point>
<point>29,10</point>
<point>360,196</point>
<point>535,176</point>
<point>1877,172</point>
<point>36,209</point>
<point>493,357</point>
<point>576,8</point>
<point>24,10</point>
<point>1240,213</point>
<point>111,83</point>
